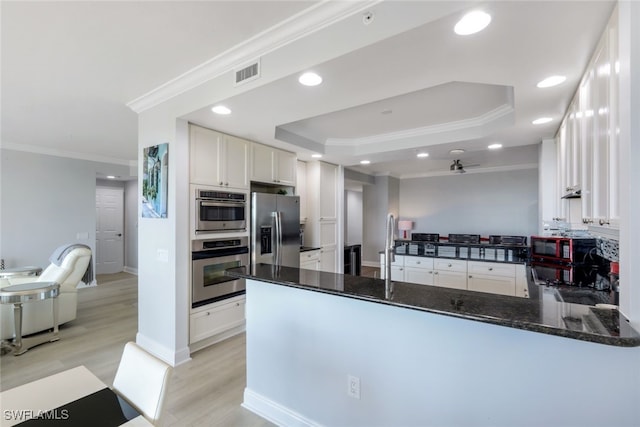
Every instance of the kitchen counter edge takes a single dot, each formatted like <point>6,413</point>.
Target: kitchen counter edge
<point>508,311</point>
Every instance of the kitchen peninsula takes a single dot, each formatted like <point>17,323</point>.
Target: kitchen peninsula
<point>329,349</point>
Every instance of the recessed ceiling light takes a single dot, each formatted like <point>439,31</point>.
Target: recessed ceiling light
<point>472,23</point>
<point>551,81</point>
<point>542,120</point>
<point>495,146</point>
<point>221,109</point>
<point>365,162</point>
<point>111,177</point>
<point>387,111</point>
<point>422,155</point>
<point>310,79</point>
<point>316,156</point>
<point>456,151</point>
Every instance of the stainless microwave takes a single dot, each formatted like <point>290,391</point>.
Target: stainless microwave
<point>218,211</point>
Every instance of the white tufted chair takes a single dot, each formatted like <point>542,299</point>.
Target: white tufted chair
<point>142,380</point>
<point>37,316</point>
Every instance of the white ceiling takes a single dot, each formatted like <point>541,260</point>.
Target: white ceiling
<point>69,68</point>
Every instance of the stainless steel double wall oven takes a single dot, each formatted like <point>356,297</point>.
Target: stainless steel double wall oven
<point>209,260</point>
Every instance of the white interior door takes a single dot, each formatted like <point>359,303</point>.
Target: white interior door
<point>109,230</point>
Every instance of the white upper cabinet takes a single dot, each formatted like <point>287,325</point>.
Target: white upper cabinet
<point>587,140</point>
<point>217,159</point>
<point>236,162</point>
<point>271,165</point>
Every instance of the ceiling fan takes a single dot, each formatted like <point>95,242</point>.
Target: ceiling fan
<point>457,167</point>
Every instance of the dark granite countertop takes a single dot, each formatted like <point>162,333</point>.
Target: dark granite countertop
<point>542,312</point>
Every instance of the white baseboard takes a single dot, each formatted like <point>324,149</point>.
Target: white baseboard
<point>199,345</point>
<point>131,270</point>
<point>173,358</point>
<point>274,412</point>
<point>371,264</point>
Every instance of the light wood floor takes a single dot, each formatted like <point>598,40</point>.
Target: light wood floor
<point>207,391</point>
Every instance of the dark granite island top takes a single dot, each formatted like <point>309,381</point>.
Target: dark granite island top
<point>540,313</point>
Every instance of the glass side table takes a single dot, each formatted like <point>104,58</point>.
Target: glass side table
<point>20,271</point>
<point>28,292</point>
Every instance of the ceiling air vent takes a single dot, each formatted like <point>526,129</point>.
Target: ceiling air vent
<point>248,73</point>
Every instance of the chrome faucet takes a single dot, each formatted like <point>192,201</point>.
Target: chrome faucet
<point>389,255</point>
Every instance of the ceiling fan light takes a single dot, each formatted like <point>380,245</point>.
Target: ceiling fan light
<point>456,167</point>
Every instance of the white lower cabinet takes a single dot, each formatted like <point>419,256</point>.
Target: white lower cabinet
<point>450,273</point>
<point>310,260</point>
<point>481,276</point>
<point>418,270</point>
<point>397,268</point>
<point>217,319</point>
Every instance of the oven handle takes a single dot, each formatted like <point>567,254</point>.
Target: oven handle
<point>218,253</point>
<point>220,203</point>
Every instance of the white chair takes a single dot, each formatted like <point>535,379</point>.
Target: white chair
<point>37,316</point>
<point>142,380</point>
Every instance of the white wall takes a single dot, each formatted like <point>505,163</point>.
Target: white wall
<point>46,201</point>
<point>353,217</point>
<point>378,200</point>
<point>423,369</point>
<point>476,203</point>
<point>163,244</point>
<point>131,226</point>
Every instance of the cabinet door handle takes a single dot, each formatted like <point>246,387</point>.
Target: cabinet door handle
<point>490,268</point>
<point>221,183</point>
<point>435,272</point>
<point>431,272</point>
<point>449,265</point>
<point>470,277</point>
<point>208,313</point>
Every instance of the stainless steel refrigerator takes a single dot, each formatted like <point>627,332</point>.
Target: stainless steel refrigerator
<point>275,229</point>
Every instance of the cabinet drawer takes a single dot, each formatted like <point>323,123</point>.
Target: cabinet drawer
<point>492,284</point>
<point>207,323</point>
<point>450,265</point>
<point>399,261</point>
<point>310,256</point>
<point>492,268</point>
<point>418,262</point>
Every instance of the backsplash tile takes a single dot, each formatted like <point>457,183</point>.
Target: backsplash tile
<point>608,248</point>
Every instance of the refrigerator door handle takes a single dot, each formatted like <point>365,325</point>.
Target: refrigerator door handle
<point>278,216</point>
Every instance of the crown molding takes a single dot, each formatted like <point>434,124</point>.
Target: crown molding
<point>459,125</point>
<point>68,154</point>
<point>300,25</point>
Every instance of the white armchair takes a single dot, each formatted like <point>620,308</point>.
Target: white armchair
<point>37,316</point>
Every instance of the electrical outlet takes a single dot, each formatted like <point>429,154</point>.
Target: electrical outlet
<point>353,386</point>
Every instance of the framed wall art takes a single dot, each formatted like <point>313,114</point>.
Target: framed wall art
<point>155,183</point>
